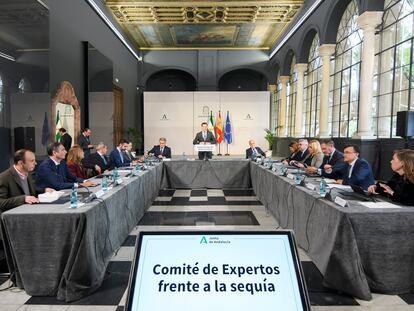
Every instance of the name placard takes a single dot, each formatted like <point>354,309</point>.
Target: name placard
<point>340,201</point>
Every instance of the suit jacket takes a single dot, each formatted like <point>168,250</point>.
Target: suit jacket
<point>76,170</point>
<point>116,160</point>
<point>403,190</point>
<point>58,177</point>
<point>301,157</point>
<point>95,159</point>
<point>11,191</point>
<point>156,150</point>
<point>361,175</point>
<point>83,142</point>
<point>249,152</point>
<point>66,141</point>
<point>209,139</point>
<point>337,163</point>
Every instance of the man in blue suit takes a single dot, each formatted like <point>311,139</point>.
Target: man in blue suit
<point>117,157</point>
<point>356,172</point>
<point>53,172</point>
<point>162,150</point>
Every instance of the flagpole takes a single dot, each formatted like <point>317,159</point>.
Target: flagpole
<point>219,154</point>
<point>227,154</point>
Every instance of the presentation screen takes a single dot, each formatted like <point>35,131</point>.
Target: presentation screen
<point>202,271</point>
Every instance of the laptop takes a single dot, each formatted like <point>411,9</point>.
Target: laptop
<point>216,270</point>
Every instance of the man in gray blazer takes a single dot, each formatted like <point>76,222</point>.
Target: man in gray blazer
<point>205,137</point>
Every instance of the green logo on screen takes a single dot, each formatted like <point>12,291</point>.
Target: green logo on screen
<point>203,240</point>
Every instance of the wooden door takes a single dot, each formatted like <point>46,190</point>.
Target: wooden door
<point>118,115</point>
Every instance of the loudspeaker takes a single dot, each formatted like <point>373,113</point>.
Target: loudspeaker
<point>24,138</point>
<point>405,123</point>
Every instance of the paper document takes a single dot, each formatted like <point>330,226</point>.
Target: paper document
<point>379,205</point>
<point>338,186</point>
<point>48,197</point>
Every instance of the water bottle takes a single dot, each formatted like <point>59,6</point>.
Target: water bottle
<point>115,174</point>
<point>74,198</point>
<point>137,169</point>
<point>298,177</point>
<point>104,184</point>
<point>283,170</point>
<point>322,187</point>
<point>184,158</point>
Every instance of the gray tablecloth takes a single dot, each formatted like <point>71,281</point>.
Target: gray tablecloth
<point>206,174</point>
<point>54,250</point>
<point>357,249</point>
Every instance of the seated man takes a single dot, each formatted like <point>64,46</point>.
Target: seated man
<point>16,184</point>
<point>53,171</point>
<point>253,150</point>
<point>301,155</point>
<point>161,151</point>
<point>128,151</point>
<point>357,172</point>
<point>117,157</point>
<point>333,161</point>
<point>98,161</point>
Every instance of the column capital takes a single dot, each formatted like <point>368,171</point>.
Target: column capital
<point>271,87</point>
<point>368,20</point>
<point>284,79</point>
<point>327,49</point>
<point>301,67</point>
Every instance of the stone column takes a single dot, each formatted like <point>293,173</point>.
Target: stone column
<point>325,52</point>
<point>367,21</point>
<point>300,70</point>
<point>272,88</point>
<point>283,101</point>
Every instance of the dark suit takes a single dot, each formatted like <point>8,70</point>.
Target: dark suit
<point>156,150</point>
<point>83,142</point>
<point>11,190</point>
<point>66,141</point>
<point>301,156</point>
<point>209,139</point>
<point>249,152</point>
<point>337,163</point>
<point>361,175</point>
<point>118,160</point>
<point>58,177</point>
<point>96,159</point>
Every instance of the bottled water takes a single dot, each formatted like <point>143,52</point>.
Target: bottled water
<point>298,177</point>
<point>104,183</point>
<point>136,169</point>
<point>115,174</point>
<point>322,187</point>
<point>283,170</point>
<point>74,198</point>
<point>184,157</point>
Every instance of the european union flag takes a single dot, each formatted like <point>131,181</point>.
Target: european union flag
<point>45,131</point>
<point>227,131</point>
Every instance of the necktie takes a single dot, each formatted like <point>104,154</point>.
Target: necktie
<point>122,158</point>
<point>254,151</point>
<point>161,150</point>
<point>204,135</point>
<point>350,171</point>
<point>104,160</point>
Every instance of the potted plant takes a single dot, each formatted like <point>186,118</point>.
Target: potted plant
<point>135,136</point>
<point>270,136</point>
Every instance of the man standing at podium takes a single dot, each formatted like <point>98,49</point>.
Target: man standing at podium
<point>205,137</point>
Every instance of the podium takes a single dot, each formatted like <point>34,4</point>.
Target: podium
<point>204,148</point>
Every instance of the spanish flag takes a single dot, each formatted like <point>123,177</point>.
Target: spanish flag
<point>219,129</point>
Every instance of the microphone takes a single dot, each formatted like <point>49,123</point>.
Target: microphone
<point>91,196</point>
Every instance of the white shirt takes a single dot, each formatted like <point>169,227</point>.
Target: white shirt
<point>351,168</point>
<point>56,162</point>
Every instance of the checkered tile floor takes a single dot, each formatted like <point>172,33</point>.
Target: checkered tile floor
<point>184,208</point>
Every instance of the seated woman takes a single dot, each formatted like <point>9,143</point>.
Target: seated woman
<point>400,188</point>
<point>293,149</point>
<point>75,157</point>
<point>315,159</point>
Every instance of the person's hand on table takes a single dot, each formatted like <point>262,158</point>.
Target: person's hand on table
<point>49,190</point>
<point>339,181</point>
<point>87,183</point>
<point>386,188</point>
<point>372,189</point>
<point>311,170</point>
<point>98,169</point>
<point>31,199</point>
<point>300,165</point>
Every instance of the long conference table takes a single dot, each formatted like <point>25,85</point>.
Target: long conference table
<point>53,250</point>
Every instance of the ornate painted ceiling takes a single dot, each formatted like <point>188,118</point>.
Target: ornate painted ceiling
<point>229,24</point>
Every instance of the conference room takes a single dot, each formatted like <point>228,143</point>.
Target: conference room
<point>206,155</point>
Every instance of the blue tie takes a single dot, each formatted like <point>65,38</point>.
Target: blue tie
<point>204,135</point>
<point>122,158</point>
<point>104,160</point>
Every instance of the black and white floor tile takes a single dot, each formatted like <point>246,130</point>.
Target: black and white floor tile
<point>204,209</point>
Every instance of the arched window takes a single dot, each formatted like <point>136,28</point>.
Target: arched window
<point>312,90</point>
<point>276,103</point>
<point>394,81</point>
<point>346,75</point>
<point>291,99</point>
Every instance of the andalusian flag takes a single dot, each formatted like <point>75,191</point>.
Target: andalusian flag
<point>210,123</point>
<point>219,129</point>
<point>58,126</point>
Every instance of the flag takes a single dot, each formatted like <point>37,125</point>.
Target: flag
<point>45,131</point>
<point>219,129</point>
<point>210,123</point>
<point>58,126</point>
<point>227,130</point>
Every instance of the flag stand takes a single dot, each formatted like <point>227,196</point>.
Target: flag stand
<point>219,153</point>
<point>227,153</point>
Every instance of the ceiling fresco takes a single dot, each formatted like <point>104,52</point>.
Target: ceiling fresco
<point>231,24</point>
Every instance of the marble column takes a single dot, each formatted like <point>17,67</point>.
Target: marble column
<point>367,21</point>
<point>273,108</point>
<point>300,70</point>
<point>325,52</point>
<point>283,102</point>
